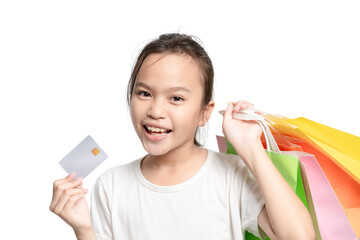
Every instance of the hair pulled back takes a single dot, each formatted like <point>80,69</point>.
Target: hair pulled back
<point>176,43</point>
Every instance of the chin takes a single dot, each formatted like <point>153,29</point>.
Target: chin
<point>155,150</point>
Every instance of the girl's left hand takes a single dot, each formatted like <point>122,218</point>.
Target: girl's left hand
<point>241,134</point>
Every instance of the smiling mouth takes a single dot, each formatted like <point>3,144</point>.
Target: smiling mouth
<point>156,131</point>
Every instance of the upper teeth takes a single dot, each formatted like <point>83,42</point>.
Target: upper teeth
<point>154,129</point>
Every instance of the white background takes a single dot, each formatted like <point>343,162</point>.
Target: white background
<point>64,68</point>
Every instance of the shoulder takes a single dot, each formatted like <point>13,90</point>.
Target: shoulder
<point>225,160</point>
<point>230,165</point>
<point>114,182</point>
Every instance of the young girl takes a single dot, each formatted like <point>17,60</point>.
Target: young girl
<point>181,190</point>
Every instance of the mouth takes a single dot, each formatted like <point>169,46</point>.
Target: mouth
<point>156,131</point>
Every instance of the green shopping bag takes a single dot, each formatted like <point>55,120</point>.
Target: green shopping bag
<point>287,165</point>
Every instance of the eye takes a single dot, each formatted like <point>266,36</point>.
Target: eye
<point>177,99</point>
<point>143,93</point>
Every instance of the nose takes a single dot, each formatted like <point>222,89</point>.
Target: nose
<point>156,109</point>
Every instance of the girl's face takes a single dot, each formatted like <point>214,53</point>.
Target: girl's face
<point>166,102</point>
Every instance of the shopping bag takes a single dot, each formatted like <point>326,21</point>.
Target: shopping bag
<point>287,165</point>
<point>330,218</point>
<point>342,148</point>
<point>346,188</point>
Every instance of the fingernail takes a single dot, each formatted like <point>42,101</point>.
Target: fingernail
<point>78,179</point>
<point>71,175</point>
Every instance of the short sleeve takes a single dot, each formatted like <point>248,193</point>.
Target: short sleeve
<point>100,212</point>
<point>251,203</point>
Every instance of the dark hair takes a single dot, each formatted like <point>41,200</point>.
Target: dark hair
<point>181,44</point>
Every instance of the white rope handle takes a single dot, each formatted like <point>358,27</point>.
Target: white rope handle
<point>251,115</point>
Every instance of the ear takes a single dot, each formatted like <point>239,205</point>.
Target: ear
<point>205,116</point>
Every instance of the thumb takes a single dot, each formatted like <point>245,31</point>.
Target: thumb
<point>228,112</point>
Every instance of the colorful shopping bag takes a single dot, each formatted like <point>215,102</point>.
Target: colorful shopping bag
<point>288,165</point>
<point>346,188</point>
<point>342,148</point>
<point>327,213</point>
<point>331,219</point>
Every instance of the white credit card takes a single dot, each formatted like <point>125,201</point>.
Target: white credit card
<point>84,158</point>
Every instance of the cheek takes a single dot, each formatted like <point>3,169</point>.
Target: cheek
<point>135,112</point>
<point>186,120</point>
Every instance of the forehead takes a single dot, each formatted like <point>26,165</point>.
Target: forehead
<point>170,69</point>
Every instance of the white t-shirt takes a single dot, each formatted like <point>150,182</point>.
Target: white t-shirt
<point>220,201</point>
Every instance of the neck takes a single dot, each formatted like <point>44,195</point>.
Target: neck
<point>175,158</point>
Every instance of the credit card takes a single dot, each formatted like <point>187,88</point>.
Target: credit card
<point>84,158</point>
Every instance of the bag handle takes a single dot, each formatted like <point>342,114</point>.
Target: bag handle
<point>251,115</point>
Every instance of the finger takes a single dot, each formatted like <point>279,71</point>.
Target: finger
<point>72,201</point>
<point>68,178</point>
<point>80,186</point>
<point>64,198</point>
<point>244,105</point>
<point>59,189</point>
<point>238,104</point>
<point>58,185</point>
<point>72,184</point>
<point>260,113</point>
<point>228,112</point>
<point>71,176</point>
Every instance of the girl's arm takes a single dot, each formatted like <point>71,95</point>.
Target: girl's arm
<point>85,234</point>
<point>284,215</point>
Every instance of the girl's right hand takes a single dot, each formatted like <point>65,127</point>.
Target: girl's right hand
<point>69,203</point>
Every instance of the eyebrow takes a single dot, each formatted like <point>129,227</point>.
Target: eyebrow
<point>142,84</point>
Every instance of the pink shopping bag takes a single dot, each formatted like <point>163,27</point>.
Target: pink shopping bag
<point>331,219</point>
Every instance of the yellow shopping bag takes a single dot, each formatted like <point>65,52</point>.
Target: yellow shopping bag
<point>342,148</point>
